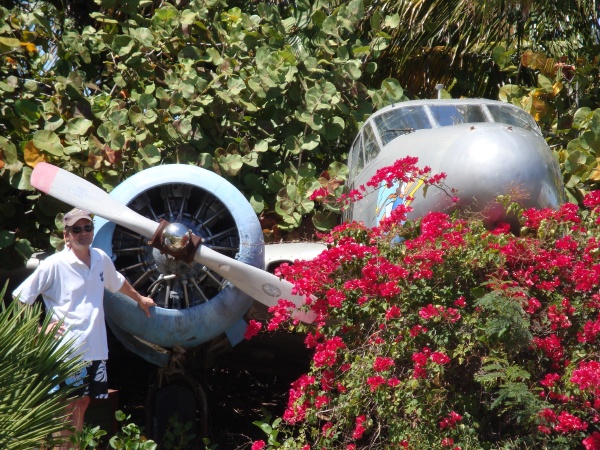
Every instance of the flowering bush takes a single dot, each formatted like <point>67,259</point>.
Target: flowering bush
<point>453,336</point>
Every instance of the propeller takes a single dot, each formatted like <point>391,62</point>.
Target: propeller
<point>261,285</point>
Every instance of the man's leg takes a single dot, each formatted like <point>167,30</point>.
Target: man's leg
<point>75,414</point>
<point>95,385</point>
<point>76,410</point>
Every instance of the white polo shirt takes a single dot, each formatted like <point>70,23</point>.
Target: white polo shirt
<point>74,292</point>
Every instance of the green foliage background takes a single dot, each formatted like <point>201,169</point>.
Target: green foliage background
<point>268,95</point>
<point>241,92</point>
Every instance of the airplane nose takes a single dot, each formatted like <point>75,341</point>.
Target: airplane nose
<point>497,160</point>
<point>490,160</point>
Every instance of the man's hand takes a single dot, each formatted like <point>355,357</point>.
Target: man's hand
<point>55,329</point>
<point>143,302</point>
<point>146,303</point>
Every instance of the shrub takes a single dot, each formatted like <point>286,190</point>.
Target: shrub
<point>440,333</point>
<point>31,365</point>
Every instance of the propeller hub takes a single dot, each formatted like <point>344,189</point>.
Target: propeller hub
<point>176,237</point>
<point>176,240</point>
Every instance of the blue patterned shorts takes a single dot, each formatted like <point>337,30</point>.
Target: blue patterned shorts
<point>92,380</point>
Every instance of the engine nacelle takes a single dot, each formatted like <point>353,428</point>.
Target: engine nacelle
<point>195,305</point>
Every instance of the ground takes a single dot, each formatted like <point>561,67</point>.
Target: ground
<point>242,385</point>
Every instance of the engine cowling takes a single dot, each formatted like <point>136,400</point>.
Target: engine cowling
<point>195,305</point>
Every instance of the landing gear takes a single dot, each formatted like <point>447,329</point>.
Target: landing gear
<point>176,408</point>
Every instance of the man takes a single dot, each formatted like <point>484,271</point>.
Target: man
<point>72,283</point>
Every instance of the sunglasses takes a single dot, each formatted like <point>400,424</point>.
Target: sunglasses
<point>86,228</point>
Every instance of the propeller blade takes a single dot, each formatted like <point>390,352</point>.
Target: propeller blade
<point>80,193</point>
<point>257,283</point>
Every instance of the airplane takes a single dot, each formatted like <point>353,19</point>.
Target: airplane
<point>188,238</point>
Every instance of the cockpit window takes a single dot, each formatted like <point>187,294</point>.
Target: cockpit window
<point>513,116</point>
<point>400,121</point>
<point>357,161</point>
<point>370,143</point>
<point>446,115</point>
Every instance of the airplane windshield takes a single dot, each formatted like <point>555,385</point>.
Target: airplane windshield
<point>446,115</point>
<point>513,116</point>
<point>401,121</point>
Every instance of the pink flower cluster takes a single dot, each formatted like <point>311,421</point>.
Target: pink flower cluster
<point>564,422</point>
<point>359,428</point>
<point>587,378</point>
<point>429,312</point>
<point>450,420</point>
<point>421,358</point>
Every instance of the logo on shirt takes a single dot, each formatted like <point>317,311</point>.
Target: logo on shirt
<point>102,276</point>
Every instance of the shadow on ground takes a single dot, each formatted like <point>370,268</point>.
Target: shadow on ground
<point>242,385</point>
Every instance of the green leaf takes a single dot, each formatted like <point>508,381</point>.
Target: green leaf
<point>314,120</point>
<point>9,151</point>
<point>231,163</point>
<point>54,123</point>
<point>79,126</point>
<point>48,141</point>
<point>353,69</point>
<point>28,109</point>
<point>392,21</point>
<point>150,154</point>
<point>6,238</point>
<point>511,93</point>
<point>6,87</point>
<point>24,248</point>
<point>545,83</point>
<point>147,101</point>
<point>324,220</point>
<point>334,128</point>
<point>581,117</point>
<point>338,170</point>
<point>258,203</point>
<point>123,45</point>
<point>595,122</point>
<point>103,18</point>
<point>10,42</point>
<point>118,118</point>
<point>30,85</point>
<point>143,35</point>
<point>391,89</point>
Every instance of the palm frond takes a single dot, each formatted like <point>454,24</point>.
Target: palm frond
<point>31,365</point>
<point>439,41</point>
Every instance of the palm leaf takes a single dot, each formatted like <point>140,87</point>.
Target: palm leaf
<point>441,41</point>
<point>31,364</point>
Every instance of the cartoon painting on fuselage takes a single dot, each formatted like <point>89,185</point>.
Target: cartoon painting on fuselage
<point>389,198</point>
<point>486,148</point>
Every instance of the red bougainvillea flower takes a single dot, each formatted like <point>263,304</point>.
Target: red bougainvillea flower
<point>359,427</point>
<point>440,358</point>
<point>587,376</point>
<point>592,442</point>
<point>568,423</point>
<point>451,420</point>
<point>441,313</point>
<point>252,329</point>
<point>382,364</point>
